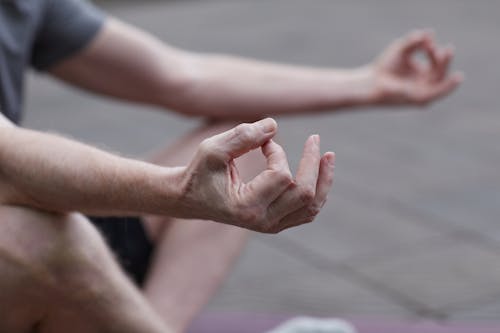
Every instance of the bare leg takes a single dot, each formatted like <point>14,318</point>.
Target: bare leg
<point>192,256</point>
<point>59,276</point>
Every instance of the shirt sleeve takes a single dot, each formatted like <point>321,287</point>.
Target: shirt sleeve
<point>66,27</point>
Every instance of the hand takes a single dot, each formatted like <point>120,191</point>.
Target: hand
<point>402,79</point>
<point>273,200</point>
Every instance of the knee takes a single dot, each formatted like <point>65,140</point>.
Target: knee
<point>42,256</point>
<point>47,250</point>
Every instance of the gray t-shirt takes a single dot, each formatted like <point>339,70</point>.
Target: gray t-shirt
<point>39,33</point>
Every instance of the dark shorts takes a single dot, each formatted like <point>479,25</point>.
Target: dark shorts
<point>127,238</point>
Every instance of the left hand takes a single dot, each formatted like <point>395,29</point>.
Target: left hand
<point>211,187</point>
<point>400,78</point>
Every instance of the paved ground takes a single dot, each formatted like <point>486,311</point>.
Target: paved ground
<point>412,229</point>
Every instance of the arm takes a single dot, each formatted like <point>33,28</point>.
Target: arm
<point>53,173</point>
<point>127,63</point>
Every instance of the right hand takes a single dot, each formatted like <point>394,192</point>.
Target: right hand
<point>402,79</point>
<point>273,200</point>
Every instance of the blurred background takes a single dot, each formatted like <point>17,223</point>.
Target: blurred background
<point>412,228</point>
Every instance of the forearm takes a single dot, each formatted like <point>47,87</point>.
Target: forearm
<point>57,174</point>
<point>130,64</point>
<point>225,86</point>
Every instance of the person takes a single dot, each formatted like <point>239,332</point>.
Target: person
<point>192,204</point>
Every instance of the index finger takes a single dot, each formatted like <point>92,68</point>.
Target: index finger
<point>240,139</point>
<point>414,41</point>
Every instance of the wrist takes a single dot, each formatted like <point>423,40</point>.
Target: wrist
<point>355,87</point>
<point>168,186</point>
<point>370,92</point>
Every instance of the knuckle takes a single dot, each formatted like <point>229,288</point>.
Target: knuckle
<point>306,195</point>
<point>249,216</point>
<point>205,147</point>
<point>208,151</point>
<point>313,211</point>
<point>243,131</point>
<point>282,177</point>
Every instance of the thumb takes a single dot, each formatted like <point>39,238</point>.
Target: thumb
<point>243,138</point>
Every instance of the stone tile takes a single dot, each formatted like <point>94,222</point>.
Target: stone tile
<point>439,278</point>
<point>487,312</point>
<point>472,206</point>
<point>431,176</point>
<point>351,229</point>
<point>269,281</point>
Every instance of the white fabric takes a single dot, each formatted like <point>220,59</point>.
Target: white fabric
<point>314,325</point>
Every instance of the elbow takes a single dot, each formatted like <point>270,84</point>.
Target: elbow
<point>180,84</point>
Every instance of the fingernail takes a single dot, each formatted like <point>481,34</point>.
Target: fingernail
<point>268,125</point>
<point>315,138</point>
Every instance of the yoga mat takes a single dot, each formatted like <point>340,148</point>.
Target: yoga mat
<point>260,323</point>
